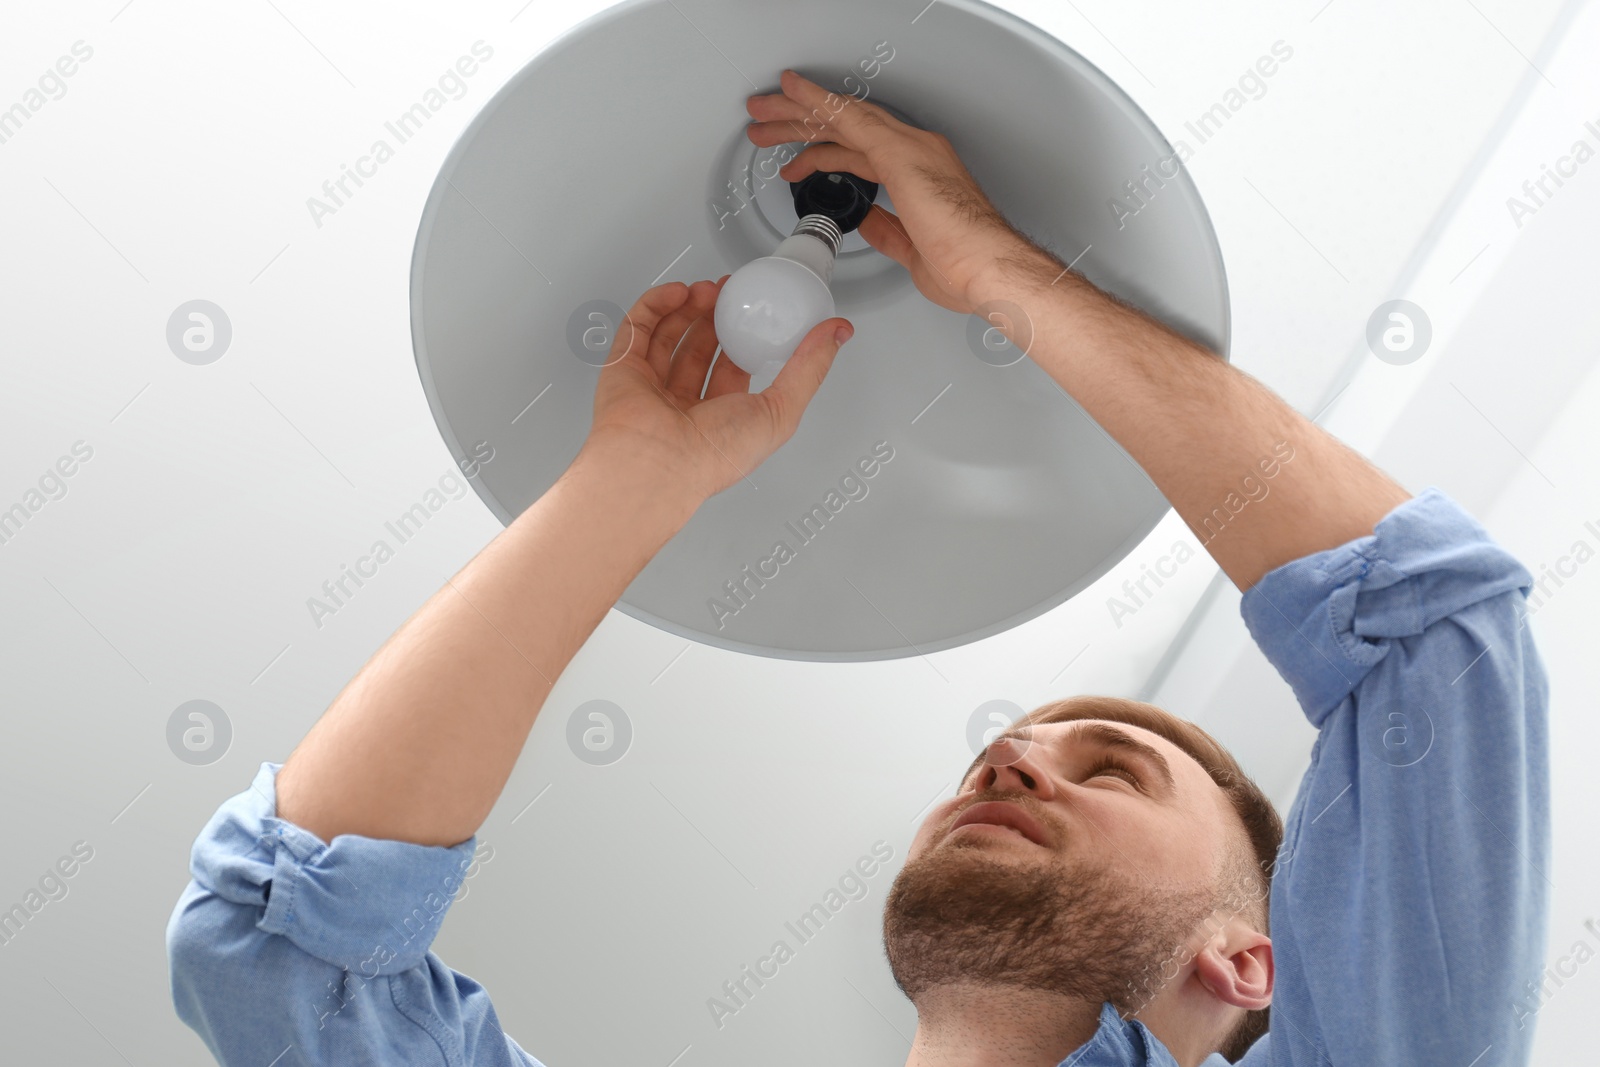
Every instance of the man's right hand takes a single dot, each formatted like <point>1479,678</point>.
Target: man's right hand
<point>955,243</point>
<point>1207,434</point>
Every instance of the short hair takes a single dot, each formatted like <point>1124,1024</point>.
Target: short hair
<point>1259,820</point>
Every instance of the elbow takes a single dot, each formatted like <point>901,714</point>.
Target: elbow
<point>191,953</point>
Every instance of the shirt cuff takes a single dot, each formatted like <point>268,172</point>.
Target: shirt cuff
<point>366,905</point>
<point>1327,619</point>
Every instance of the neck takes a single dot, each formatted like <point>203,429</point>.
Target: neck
<point>997,1026</point>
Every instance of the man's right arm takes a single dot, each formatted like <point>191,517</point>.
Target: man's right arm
<point>1196,425</point>
<point>1210,436</point>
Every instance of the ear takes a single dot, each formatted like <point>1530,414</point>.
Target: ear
<point>1236,967</point>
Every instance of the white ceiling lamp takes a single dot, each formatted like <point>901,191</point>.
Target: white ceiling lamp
<point>941,488</point>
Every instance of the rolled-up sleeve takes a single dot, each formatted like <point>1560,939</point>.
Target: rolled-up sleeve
<point>1408,906</point>
<point>319,953</point>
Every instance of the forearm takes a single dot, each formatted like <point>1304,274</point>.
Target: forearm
<point>421,742</point>
<point>1211,437</point>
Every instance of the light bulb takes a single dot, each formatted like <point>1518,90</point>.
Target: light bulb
<point>769,305</point>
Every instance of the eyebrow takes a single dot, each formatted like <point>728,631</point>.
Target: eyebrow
<point>1103,736</point>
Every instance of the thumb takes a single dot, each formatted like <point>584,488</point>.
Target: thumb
<point>883,230</point>
<point>800,378</point>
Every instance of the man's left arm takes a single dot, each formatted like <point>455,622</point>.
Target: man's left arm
<point>420,744</point>
<point>332,873</point>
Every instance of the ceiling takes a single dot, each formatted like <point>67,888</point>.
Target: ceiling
<point>179,163</point>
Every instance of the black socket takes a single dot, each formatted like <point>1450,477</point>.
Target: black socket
<point>844,198</point>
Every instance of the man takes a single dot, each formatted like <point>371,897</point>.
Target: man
<point>1106,887</point>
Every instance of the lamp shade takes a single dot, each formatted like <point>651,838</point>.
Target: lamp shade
<point>941,488</point>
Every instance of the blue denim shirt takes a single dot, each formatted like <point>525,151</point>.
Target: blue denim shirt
<point>1407,911</point>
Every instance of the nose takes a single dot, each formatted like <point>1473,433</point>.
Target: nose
<point>1017,764</point>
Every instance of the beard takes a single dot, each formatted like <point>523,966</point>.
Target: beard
<point>959,914</point>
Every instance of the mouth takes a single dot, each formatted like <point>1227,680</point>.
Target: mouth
<point>1002,814</point>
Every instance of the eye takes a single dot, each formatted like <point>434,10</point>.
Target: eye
<point>1115,768</point>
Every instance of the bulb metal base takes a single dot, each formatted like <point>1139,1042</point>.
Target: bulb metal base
<point>823,229</point>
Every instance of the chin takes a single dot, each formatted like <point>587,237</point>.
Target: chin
<point>983,846</point>
<point>979,853</point>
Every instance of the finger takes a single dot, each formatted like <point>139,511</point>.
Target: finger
<point>785,131</point>
<point>818,111</point>
<point>883,230</point>
<point>791,391</point>
<point>799,96</point>
<point>669,333</point>
<point>693,357</point>
<point>773,107</point>
<point>642,320</point>
<point>828,158</point>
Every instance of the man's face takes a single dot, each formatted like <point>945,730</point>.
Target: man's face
<point>1078,860</point>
